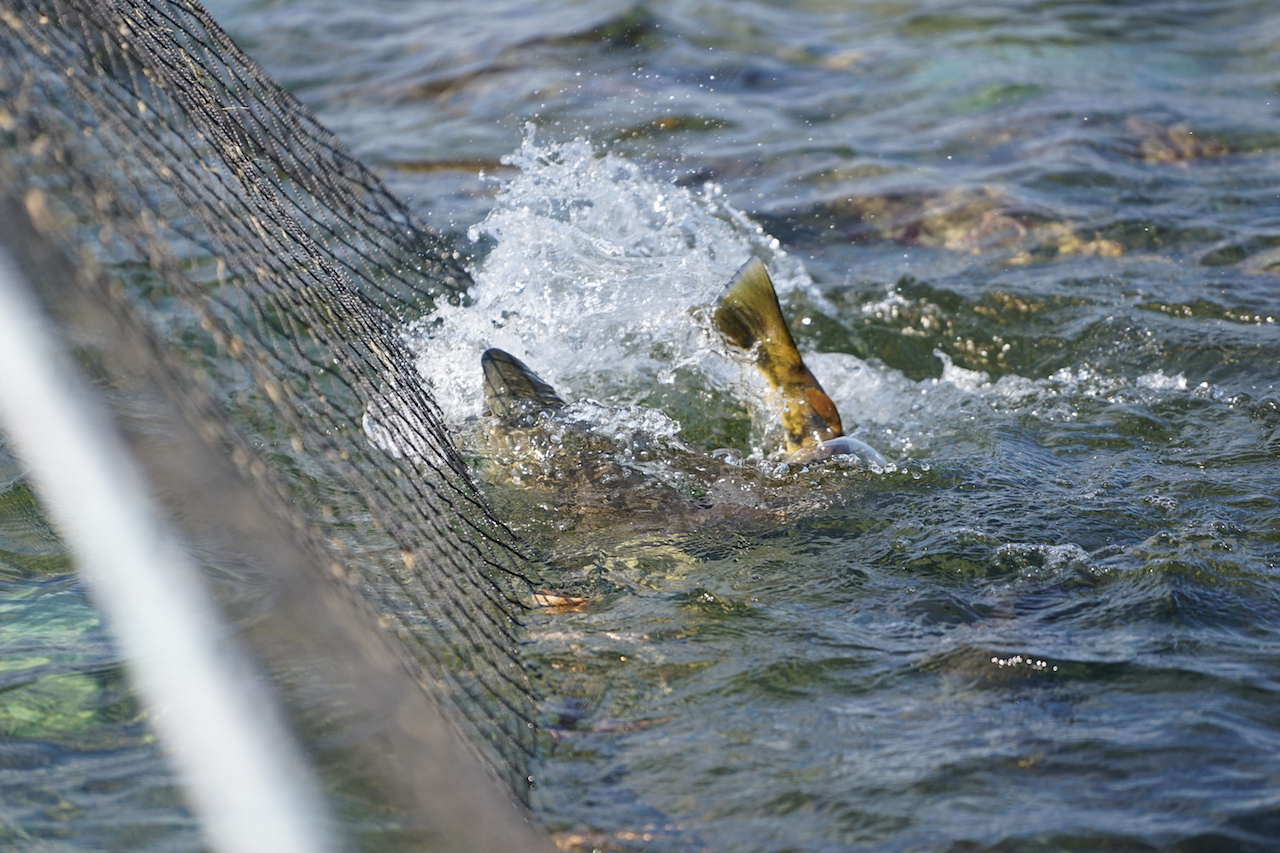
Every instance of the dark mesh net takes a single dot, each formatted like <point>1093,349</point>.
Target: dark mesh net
<point>275,269</point>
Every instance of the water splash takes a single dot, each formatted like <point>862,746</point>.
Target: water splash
<point>600,279</point>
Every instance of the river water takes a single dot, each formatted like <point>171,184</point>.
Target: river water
<point>1032,250</point>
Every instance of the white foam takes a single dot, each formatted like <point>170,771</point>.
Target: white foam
<point>966,380</point>
<point>1158,381</point>
<point>599,280</point>
<point>602,279</point>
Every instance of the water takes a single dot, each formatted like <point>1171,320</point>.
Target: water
<point>1033,248</point>
<point>79,764</point>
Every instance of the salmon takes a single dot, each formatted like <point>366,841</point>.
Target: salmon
<point>749,317</point>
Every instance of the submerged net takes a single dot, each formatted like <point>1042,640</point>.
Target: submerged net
<point>276,270</point>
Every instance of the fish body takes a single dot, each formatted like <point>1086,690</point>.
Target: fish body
<point>535,439</point>
<point>527,440</point>
<point>610,488</point>
<point>598,491</point>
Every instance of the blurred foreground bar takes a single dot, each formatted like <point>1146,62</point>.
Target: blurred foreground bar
<point>341,682</point>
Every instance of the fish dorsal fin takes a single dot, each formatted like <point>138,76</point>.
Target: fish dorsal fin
<point>750,318</point>
<point>512,391</point>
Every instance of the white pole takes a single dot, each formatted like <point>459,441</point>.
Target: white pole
<point>246,778</point>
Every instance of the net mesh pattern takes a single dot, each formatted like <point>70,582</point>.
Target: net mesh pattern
<point>277,269</point>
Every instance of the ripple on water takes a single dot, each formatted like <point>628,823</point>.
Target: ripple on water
<point>1039,268</point>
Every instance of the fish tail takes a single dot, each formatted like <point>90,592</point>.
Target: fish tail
<point>512,391</point>
<point>750,318</point>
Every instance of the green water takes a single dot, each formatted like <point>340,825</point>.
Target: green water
<point>79,765</point>
<point>1054,626</point>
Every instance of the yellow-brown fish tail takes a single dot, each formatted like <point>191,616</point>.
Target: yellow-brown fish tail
<point>749,316</point>
<point>513,392</point>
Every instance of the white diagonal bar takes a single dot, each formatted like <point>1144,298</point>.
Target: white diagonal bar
<point>245,775</point>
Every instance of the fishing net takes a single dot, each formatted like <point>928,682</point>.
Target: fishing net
<point>267,272</point>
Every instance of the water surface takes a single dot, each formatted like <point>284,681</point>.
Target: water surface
<point>1033,249</point>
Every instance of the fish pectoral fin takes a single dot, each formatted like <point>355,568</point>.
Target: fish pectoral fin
<point>512,391</point>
